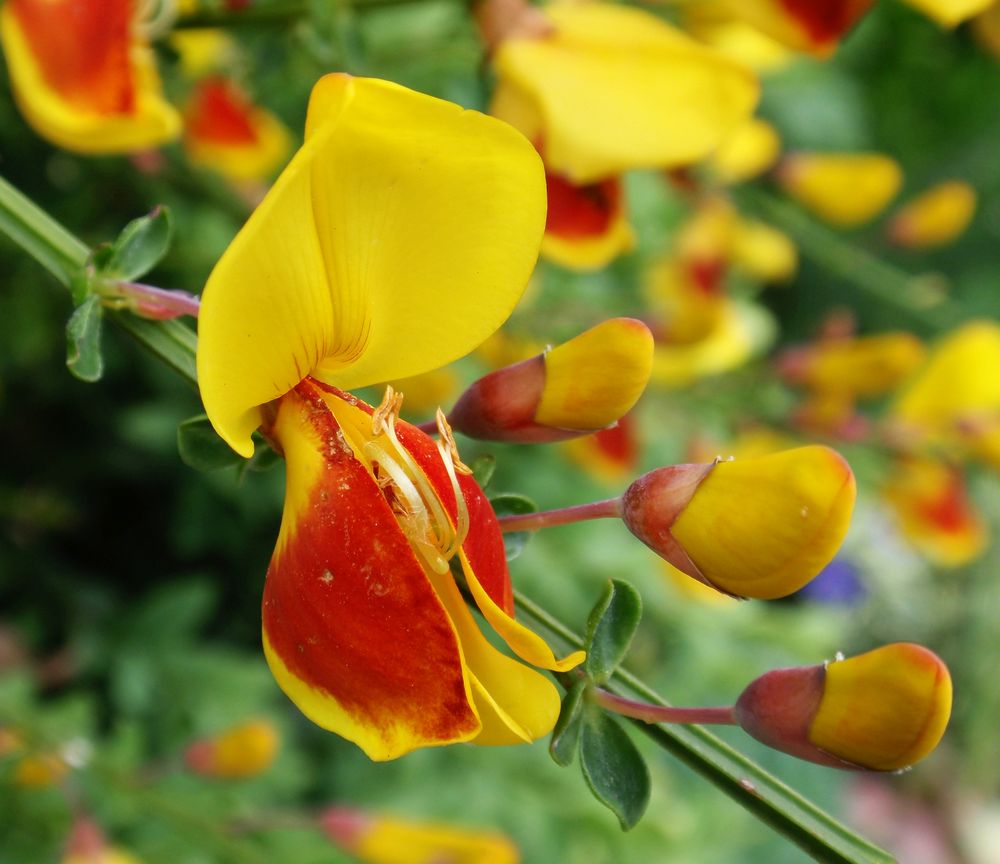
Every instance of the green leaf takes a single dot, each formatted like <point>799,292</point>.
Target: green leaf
<point>201,448</point>
<point>565,739</point>
<point>141,245</point>
<point>613,767</point>
<point>83,341</point>
<point>511,504</point>
<point>610,628</point>
<point>483,468</point>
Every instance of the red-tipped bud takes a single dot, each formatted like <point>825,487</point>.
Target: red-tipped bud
<point>243,751</point>
<point>574,389</point>
<point>752,527</point>
<point>881,711</point>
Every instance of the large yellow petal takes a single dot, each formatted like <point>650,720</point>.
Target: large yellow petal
<point>398,238</point>
<point>617,88</point>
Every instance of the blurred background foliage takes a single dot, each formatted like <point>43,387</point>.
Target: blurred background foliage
<point>130,584</point>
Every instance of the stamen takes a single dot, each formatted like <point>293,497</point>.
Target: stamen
<point>444,430</point>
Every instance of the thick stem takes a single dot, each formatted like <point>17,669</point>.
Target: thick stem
<point>662,713</point>
<point>611,508</point>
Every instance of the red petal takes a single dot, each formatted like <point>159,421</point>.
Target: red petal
<point>220,113</point>
<point>581,211</point>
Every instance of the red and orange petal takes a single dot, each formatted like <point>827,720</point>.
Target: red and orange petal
<point>814,26</point>
<point>586,226</point>
<point>933,510</point>
<point>367,641</point>
<point>81,77</point>
<point>609,455</point>
<point>227,133</point>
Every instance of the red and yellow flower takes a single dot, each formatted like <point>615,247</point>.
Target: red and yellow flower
<point>398,238</point>
<point>604,90</point>
<point>84,77</point>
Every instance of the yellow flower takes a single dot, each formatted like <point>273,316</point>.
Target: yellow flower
<point>609,455</point>
<point>605,90</point>
<point>815,26</point>
<point>752,149</point>
<point>929,499</point>
<point>242,751</point>
<point>934,218</point>
<point>845,189</point>
<point>578,387</point>
<point>883,710</point>
<point>954,400</point>
<point>750,527</point>
<point>227,133</point>
<point>398,238</point>
<point>375,839</point>
<point>83,78</point>
<point>950,13</point>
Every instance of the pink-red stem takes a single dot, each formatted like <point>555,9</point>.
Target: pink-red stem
<point>611,508</point>
<point>661,713</point>
<point>159,303</point>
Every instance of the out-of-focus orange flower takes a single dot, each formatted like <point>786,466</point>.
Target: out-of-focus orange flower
<point>242,751</point>
<point>225,132</point>
<point>377,839</point>
<point>950,13</point>
<point>845,189</point>
<point>933,510</point>
<point>82,76</point>
<point>935,218</point>
<point>609,455</point>
<point>688,514</point>
<point>883,710</point>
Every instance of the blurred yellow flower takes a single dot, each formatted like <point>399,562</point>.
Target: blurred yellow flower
<point>934,218</point>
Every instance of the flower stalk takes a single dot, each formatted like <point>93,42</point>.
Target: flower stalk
<point>610,508</point>
<point>661,713</point>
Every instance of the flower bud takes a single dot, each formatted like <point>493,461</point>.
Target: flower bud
<point>763,252</point>
<point>751,149</point>
<point>934,218</point>
<point>882,711</point>
<point>845,189</point>
<point>579,387</point>
<point>751,528</point>
<point>376,839</point>
<point>243,751</point>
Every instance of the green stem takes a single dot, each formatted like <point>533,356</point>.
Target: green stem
<point>918,298</point>
<point>773,802</point>
<point>40,235</point>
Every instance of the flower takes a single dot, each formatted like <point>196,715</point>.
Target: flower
<point>608,455</point>
<point>845,189</point>
<point>750,527</point>
<point>378,839</point>
<point>883,710</point>
<point>398,238</point>
<point>245,750</point>
<point>609,89</point>
<point>814,26</point>
<point>931,504</point>
<point>578,387</point>
<point>950,13</point>
<point>936,217</point>
<point>82,76</point>
<point>750,150</point>
<point>227,133</point>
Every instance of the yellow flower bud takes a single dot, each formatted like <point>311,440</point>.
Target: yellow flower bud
<point>583,385</point>
<point>763,252</point>
<point>934,218</point>
<point>882,711</point>
<point>751,528</point>
<point>845,189</point>
<point>243,751</point>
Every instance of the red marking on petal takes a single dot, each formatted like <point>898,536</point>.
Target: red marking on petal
<point>707,274</point>
<point>348,607</point>
<point>581,211</point>
<point>220,113</point>
<point>82,49</point>
<point>618,443</point>
<point>826,21</point>
<point>950,510</point>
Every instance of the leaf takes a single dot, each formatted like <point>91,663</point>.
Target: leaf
<point>83,341</point>
<point>613,767</point>
<point>482,469</point>
<point>201,448</point>
<point>565,739</point>
<point>141,245</point>
<point>610,628</point>
<point>511,504</point>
